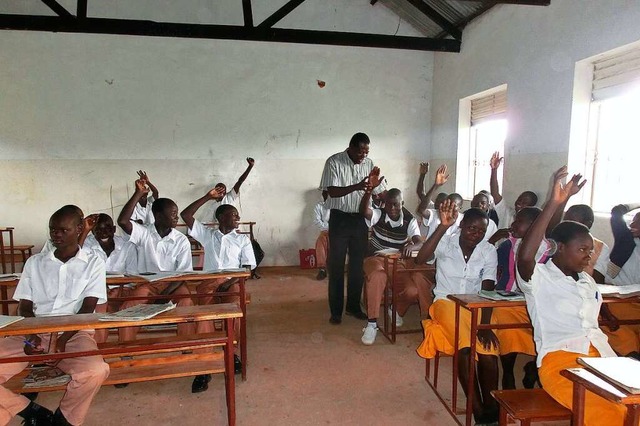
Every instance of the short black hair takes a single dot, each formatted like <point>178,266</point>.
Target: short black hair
<point>530,213</point>
<point>474,213</point>
<point>161,204</point>
<point>69,210</point>
<point>531,195</point>
<point>103,217</point>
<point>567,230</point>
<point>394,192</point>
<point>222,209</point>
<point>582,213</point>
<point>455,197</point>
<point>357,139</point>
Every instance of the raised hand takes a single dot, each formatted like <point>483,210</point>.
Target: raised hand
<point>448,213</point>
<point>374,178</point>
<point>143,176</point>
<point>90,221</point>
<point>141,186</point>
<point>424,168</point>
<point>496,160</point>
<point>561,193</point>
<point>251,161</point>
<point>442,175</point>
<point>216,192</point>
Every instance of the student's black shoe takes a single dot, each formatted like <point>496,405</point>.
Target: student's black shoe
<point>200,383</point>
<point>322,274</point>
<point>530,375</point>
<point>31,395</point>
<point>358,315</point>
<point>59,419</point>
<point>36,415</point>
<point>121,385</point>
<point>335,320</point>
<point>237,364</point>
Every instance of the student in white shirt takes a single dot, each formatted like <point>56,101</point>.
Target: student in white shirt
<point>427,210</point>
<point>465,265</point>
<point>64,281</point>
<point>563,303</point>
<point>321,220</point>
<point>481,201</point>
<point>224,248</point>
<point>142,213</point>
<point>160,249</point>
<point>506,214</point>
<point>120,257</point>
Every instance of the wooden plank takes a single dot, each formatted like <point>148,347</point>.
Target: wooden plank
<point>166,360</point>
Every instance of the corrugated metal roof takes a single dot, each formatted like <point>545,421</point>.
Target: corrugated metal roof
<point>458,13</point>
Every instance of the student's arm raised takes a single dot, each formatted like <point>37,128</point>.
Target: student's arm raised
<point>188,213</point>
<point>448,215</point>
<point>124,219</point>
<point>424,169</point>
<point>88,223</point>
<point>442,175</point>
<point>495,162</point>
<point>243,176</point>
<point>526,259</point>
<point>365,203</point>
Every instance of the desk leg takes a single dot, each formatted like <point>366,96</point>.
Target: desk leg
<point>472,365</point>
<point>578,405</point>
<point>4,294</point>
<point>243,328</point>
<point>394,271</point>
<point>454,366</point>
<point>229,374</point>
<point>633,415</point>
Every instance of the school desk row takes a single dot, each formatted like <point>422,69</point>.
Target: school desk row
<point>241,276</point>
<point>474,303</point>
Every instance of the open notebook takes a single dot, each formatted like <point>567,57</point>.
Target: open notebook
<point>621,371</point>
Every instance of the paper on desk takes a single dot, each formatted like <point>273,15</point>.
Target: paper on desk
<point>9,277</point>
<point>138,312</point>
<point>589,376</point>
<point>492,295</point>
<point>623,371</point>
<point>387,251</point>
<point>5,320</point>
<point>619,290</point>
<point>157,276</point>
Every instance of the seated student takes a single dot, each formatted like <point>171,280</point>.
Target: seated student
<point>64,281</point>
<point>492,206</point>
<point>224,248</point>
<point>516,340</point>
<point>506,213</point>
<point>119,256</point>
<point>482,201</point>
<point>321,220</point>
<point>465,265</point>
<point>583,214</point>
<point>142,213</point>
<point>395,228</point>
<point>622,269</point>
<point>425,209</point>
<point>160,249</point>
<point>562,306</point>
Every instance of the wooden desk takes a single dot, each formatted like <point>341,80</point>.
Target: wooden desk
<point>146,369</point>
<point>193,277</point>
<point>474,303</point>
<point>585,380</point>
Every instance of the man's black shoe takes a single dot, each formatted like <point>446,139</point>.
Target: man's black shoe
<point>59,419</point>
<point>358,315</point>
<point>237,364</point>
<point>322,274</point>
<point>200,383</point>
<point>121,385</point>
<point>36,415</point>
<point>335,320</point>
<point>530,375</point>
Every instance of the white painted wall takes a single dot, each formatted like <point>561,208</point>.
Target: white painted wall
<point>533,49</point>
<point>81,113</point>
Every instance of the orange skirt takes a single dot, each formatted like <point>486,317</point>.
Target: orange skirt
<point>519,340</point>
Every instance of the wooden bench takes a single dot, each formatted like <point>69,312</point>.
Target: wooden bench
<point>529,405</point>
<point>176,357</point>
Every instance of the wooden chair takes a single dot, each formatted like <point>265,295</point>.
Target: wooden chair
<point>529,405</point>
<point>6,251</point>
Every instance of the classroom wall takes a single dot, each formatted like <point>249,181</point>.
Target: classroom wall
<point>533,49</point>
<point>82,113</point>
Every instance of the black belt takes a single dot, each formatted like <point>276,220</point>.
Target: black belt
<point>347,214</point>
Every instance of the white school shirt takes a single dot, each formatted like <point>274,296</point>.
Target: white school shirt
<point>506,214</point>
<point>428,225</point>
<point>340,171</point>
<point>223,251</point>
<point>144,213</point>
<point>630,271</point>
<point>564,312</point>
<point>454,276</point>
<point>123,258</point>
<point>158,254</point>
<point>492,228</point>
<point>58,288</point>
<point>321,216</point>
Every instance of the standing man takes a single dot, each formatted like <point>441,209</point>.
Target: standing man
<point>345,177</point>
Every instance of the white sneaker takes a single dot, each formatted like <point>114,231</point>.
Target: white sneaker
<point>399,320</point>
<point>369,335</point>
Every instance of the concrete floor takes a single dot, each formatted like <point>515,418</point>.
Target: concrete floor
<point>302,371</point>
